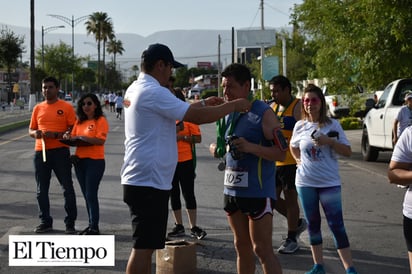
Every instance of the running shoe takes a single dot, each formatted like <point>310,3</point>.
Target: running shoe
<point>288,247</point>
<point>177,231</point>
<point>197,232</point>
<point>317,269</point>
<point>43,228</point>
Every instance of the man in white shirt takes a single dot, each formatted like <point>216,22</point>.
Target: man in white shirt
<point>151,111</point>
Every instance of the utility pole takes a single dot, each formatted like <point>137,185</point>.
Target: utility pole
<point>32,99</point>
<point>284,56</point>
<point>219,67</point>
<point>233,45</point>
<point>262,50</point>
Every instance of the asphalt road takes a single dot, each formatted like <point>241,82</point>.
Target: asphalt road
<point>372,211</point>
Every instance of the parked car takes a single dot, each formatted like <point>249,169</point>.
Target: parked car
<point>68,98</point>
<point>336,105</point>
<point>194,91</point>
<point>378,123</point>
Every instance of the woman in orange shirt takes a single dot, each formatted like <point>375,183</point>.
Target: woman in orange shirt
<point>90,130</point>
<point>187,135</point>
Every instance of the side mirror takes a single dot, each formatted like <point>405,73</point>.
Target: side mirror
<point>370,103</point>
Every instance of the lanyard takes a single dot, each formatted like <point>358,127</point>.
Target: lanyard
<point>221,128</point>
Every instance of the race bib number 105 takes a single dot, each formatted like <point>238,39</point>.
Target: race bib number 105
<point>234,178</point>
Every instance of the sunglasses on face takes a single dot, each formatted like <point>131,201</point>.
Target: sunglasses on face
<point>312,101</point>
<point>89,103</point>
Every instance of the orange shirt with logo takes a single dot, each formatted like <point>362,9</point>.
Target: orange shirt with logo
<point>56,117</point>
<point>184,148</point>
<point>94,129</point>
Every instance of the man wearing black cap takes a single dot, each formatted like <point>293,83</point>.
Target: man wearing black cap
<point>150,148</point>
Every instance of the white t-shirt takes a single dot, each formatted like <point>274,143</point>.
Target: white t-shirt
<point>112,96</point>
<point>403,154</point>
<point>319,165</point>
<point>150,112</point>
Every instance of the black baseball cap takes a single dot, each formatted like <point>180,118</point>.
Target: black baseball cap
<point>160,52</point>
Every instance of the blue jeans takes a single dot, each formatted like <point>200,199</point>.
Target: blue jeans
<point>89,173</point>
<point>331,200</point>
<point>58,161</point>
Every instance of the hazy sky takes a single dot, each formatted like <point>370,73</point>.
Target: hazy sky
<point>146,17</point>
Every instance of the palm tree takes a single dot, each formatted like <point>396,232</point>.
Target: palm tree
<point>100,25</point>
<point>115,47</point>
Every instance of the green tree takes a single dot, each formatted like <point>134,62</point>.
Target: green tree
<point>58,60</point>
<point>134,68</point>
<point>358,42</point>
<point>114,78</point>
<point>100,25</point>
<point>11,48</point>
<point>87,78</point>
<point>115,47</point>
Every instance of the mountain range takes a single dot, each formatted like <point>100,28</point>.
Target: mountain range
<point>188,46</point>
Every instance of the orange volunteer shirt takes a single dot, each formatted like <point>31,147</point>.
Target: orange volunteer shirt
<point>94,129</point>
<point>57,117</point>
<point>184,148</point>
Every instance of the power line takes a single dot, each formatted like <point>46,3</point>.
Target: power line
<point>276,9</point>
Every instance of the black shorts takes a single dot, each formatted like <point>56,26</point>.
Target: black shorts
<point>407,232</point>
<point>149,212</point>
<point>285,177</point>
<point>255,208</point>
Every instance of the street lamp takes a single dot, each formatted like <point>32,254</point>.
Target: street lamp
<point>43,32</point>
<point>71,22</point>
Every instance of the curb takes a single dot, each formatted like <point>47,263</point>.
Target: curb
<point>14,125</point>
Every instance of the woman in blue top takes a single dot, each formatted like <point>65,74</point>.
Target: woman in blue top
<point>315,144</point>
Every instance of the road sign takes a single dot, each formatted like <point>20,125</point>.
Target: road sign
<point>270,67</point>
<point>256,38</point>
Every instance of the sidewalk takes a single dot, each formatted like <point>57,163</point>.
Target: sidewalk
<point>14,118</point>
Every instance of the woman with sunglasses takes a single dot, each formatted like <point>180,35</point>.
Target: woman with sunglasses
<point>315,144</point>
<point>91,128</point>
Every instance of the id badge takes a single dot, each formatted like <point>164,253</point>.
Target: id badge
<point>235,178</point>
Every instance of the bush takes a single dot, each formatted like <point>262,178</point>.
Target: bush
<point>208,93</point>
<point>350,123</point>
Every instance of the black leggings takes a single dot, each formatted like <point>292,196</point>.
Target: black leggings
<point>184,178</point>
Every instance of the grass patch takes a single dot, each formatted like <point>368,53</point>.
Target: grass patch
<point>12,126</point>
